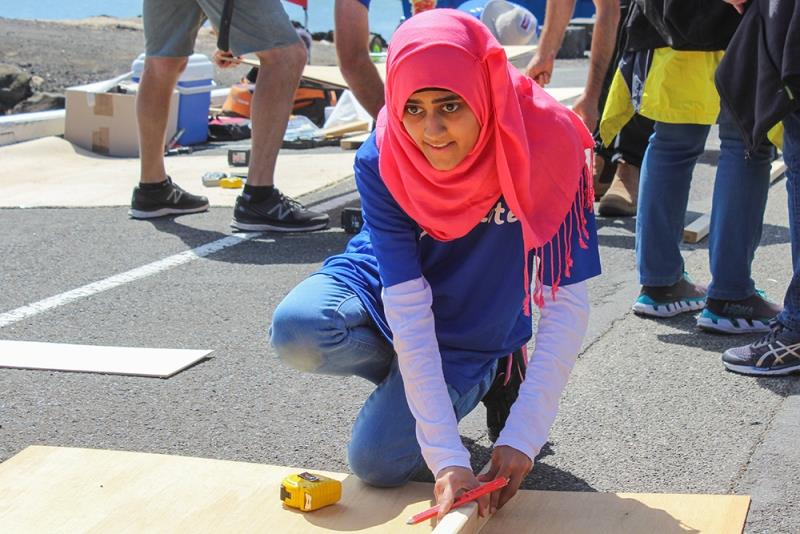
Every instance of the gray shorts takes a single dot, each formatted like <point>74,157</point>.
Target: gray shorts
<point>170,26</point>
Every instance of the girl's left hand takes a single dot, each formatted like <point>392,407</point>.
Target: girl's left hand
<point>510,463</point>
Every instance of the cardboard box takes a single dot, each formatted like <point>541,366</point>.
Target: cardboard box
<point>105,122</point>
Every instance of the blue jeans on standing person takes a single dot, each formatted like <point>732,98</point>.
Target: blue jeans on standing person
<point>790,316</point>
<point>740,196</point>
<point>323,327</point>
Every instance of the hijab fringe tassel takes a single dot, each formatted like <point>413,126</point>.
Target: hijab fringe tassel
<point>559,249</point>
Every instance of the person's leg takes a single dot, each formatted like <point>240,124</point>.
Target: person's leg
<point>263,28</point>
<point>158,80</point>
<point>383,450</point>
<point>663,195</point>
<point>170,30</point>
<point>790,316</point>
<point>778,352</point>
<point>740,197</point>
<point>323,327</point>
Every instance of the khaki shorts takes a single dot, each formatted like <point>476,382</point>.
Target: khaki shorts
<point>171,26</point>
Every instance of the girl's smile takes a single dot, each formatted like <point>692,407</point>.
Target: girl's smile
<point>442,126</point>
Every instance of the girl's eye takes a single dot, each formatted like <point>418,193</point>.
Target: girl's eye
<point>450,107</point>
<point>411,109</point>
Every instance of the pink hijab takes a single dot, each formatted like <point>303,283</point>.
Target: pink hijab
<point>531,149</point>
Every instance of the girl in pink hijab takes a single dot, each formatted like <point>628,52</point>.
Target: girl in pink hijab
<point>475,195</point>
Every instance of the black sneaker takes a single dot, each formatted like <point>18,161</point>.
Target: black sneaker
<point>169,199</point>
<point>668,301</point>
<point>504,390</point>
<point>777,353</point>
<point>277,213</point>
<point>747,316</point>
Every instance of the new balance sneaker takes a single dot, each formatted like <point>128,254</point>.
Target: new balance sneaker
<point>777,353</point>
<point>168,199</point>
<point>504,390</point>
<point>277,213</point>
<point>668,301</point>
<point>752,314</point>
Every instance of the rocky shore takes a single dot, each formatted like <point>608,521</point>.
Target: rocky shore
<point>61,54</point>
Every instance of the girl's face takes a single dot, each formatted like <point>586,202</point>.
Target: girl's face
<point>442,125</point>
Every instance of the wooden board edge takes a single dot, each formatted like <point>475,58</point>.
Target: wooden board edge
<point>777,170</point>
<point>698,229</point>
<point>464,520</point>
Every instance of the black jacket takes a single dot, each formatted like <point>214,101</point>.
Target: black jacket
<point>759,77</point>
<point>701,25</point>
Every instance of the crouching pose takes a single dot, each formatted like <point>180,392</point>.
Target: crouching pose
<point>476,195</point>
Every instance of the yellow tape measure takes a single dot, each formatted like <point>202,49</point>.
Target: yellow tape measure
<point>307,491</point>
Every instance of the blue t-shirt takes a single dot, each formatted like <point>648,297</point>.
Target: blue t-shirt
<point>476,280</point>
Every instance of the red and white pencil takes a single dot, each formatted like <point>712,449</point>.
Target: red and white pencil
<point>465,497</point>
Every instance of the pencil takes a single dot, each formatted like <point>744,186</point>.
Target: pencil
<point>466,497</point>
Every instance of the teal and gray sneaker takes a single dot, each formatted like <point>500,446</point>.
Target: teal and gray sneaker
<point>667,301</point>
<point>746,316</point>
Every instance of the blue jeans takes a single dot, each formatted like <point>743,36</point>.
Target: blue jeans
<point>790,316</point>
<point>740,196</point>
<point>322,327</point>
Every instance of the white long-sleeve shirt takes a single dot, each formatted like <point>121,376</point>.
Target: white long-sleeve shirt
<point>558,339</point>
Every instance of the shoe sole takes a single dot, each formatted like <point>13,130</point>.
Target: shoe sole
<point>252,227</point>
<point>756,371</point>
<point>667,310</point>
<point>732,326</point>
<point>139,214</point>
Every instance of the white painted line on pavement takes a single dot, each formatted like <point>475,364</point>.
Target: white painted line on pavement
<point>123,278</point>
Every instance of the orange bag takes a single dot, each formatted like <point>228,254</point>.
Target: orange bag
<point>310,99</point>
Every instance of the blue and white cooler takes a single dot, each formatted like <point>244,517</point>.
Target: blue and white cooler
<point>194,87</point>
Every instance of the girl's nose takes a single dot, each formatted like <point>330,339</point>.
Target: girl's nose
<point>434,126</point>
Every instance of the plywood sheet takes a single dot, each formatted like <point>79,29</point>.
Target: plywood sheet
<point>52,172</point>
<point>554,512</point>
<point>333,76</point>
<point>48,489</point>
<point>135,361</point>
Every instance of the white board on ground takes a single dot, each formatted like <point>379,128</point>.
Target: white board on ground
<point>136,361</point>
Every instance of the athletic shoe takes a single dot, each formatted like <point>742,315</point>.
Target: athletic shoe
<point>777,353</point>
<point>504,390</point>
<point>167,200</point>
<point>747,316</point>
<point>277,213</point>
<point>668,301</point>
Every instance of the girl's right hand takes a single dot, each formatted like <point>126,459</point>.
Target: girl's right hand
<point>452,482</point>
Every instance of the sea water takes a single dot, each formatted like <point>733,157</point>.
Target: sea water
<point>384,15</point>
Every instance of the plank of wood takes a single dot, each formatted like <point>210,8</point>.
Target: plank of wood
<point>24,126</point>
<point>331,75</point>
<point>557,512</point>
<point>50,489</point>
<point>697,230</point>
<point>47,489</point>
<point>161,363</point>
<point>338,131</point>
<point>354,141</point>
<point>777,170</point>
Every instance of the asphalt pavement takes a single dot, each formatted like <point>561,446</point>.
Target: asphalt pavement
<point>649,406</point>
